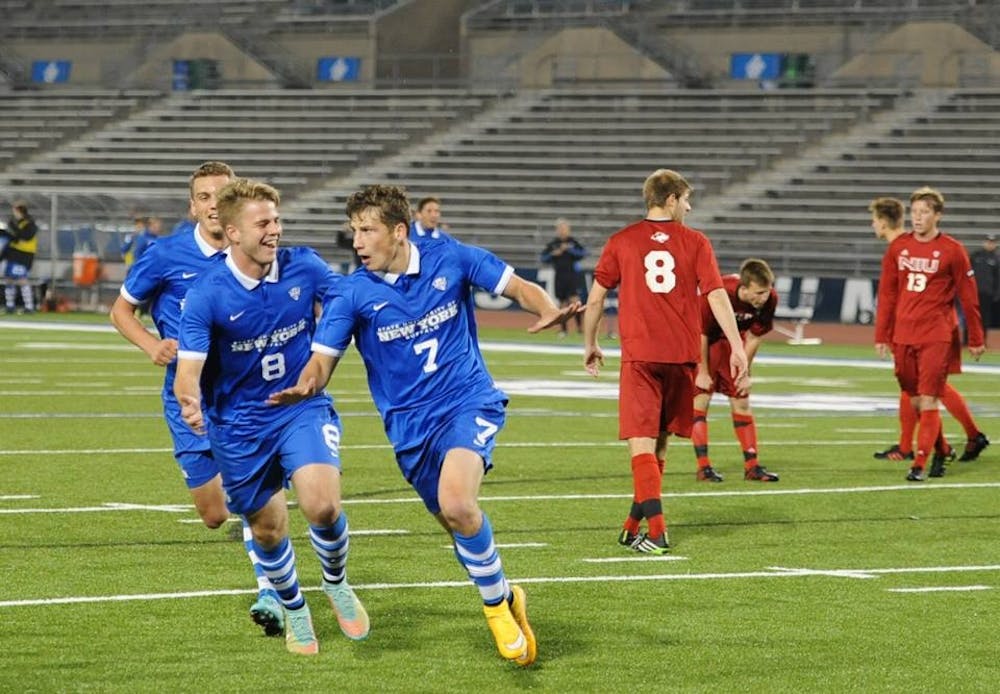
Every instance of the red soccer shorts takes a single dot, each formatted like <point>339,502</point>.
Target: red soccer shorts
<point>922,369</point>
<point>718,368</point>
<point>655,397</point>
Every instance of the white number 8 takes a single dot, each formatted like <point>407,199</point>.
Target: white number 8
<point>272,367</point>
<point>660,277</point>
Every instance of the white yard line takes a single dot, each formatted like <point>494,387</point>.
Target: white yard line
<point>186,508</point>
<point>840,573</point>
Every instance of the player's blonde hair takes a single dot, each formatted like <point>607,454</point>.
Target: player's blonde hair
<point>661,184</point>
<point>235,194</point>
<point>929,195</point>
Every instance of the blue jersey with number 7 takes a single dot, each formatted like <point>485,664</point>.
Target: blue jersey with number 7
<point>416,333</point>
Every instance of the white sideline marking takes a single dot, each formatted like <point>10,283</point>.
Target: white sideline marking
<point>18,497</point>
<point>182,508</point>
<point>76,346</point>
<point>465,584</point>
<point>386,531</point>
<point>938,589</point>
<point>386,446</point>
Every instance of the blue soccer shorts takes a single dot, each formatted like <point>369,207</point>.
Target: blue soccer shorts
<point>255,468</point>
<point>473,427</point>
<point>192,451</point>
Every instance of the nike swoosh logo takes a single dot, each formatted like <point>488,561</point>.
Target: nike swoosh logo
<point>188,275</point>
<point>234,316</point>
<point>517,645</point>
<point>380,306</point>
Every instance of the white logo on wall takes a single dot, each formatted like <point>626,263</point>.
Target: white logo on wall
<point>51,73</point>
<point>338,70</point>
<point>755,67</point>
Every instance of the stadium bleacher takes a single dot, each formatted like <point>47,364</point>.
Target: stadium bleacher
<point>292,138</point>
<point>582,153</point>
<point>949,146</point>
<point>786,174</point>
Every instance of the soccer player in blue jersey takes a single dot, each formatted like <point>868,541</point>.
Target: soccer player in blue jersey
<point>427,225</point>
<point>246,331</point>
<point>160,278</point>
<point>410,312</point>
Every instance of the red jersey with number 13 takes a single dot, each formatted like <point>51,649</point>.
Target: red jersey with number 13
<point>659,268</point>
<point>917,290</point>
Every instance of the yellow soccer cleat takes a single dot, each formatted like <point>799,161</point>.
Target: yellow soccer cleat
<point>509,638</point>
<point>519,608</point>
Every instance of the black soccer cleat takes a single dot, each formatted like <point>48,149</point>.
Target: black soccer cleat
<point>626,539</point>
<point>974,447</point>
<point>758,474</point>
<point>707,474</point>
<point>938,462</point>
<point>893,453</point>
<point>916,474</point>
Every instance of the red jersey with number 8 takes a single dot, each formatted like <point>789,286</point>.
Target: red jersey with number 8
<point>917,290</point>
<point>659,268</point>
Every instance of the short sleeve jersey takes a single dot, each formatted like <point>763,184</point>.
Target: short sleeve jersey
<point>659,268</point>
<point>756,321</point>
<point>254,336</point>
<point>416,333</point>
<point>917,289</point>
<point>162,276</point>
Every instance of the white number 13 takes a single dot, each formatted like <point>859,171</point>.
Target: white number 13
<point>916,282</point>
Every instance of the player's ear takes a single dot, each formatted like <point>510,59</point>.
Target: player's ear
<point>400,231</point>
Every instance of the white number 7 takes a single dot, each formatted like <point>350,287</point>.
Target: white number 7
<point>431,347</point>
<point>489,428</point>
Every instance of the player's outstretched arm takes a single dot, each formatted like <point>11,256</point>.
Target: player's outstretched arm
<point>314,377</point>
<point>532,298</point>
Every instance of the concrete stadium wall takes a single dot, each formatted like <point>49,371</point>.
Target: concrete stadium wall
<point>590,53</point>
<point>91,59</point>
<point>131,63</point>
<point>310,47</point>
<point>944,53</point>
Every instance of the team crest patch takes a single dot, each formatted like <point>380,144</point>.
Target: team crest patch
<point>295,293</point>
<point>660,237</point>
<point>440,283</point>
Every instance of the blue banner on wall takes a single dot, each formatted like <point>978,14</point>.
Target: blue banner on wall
<point>51,71</point>
<point>755,66</point>
<point>338,69</point>
<point>181,75</point>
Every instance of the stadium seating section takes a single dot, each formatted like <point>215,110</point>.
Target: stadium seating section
<point>783,174</point>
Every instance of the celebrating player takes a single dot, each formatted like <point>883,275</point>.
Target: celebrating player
<point>245,331</point>
<point>409,310</point>
<point>160,279</point>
